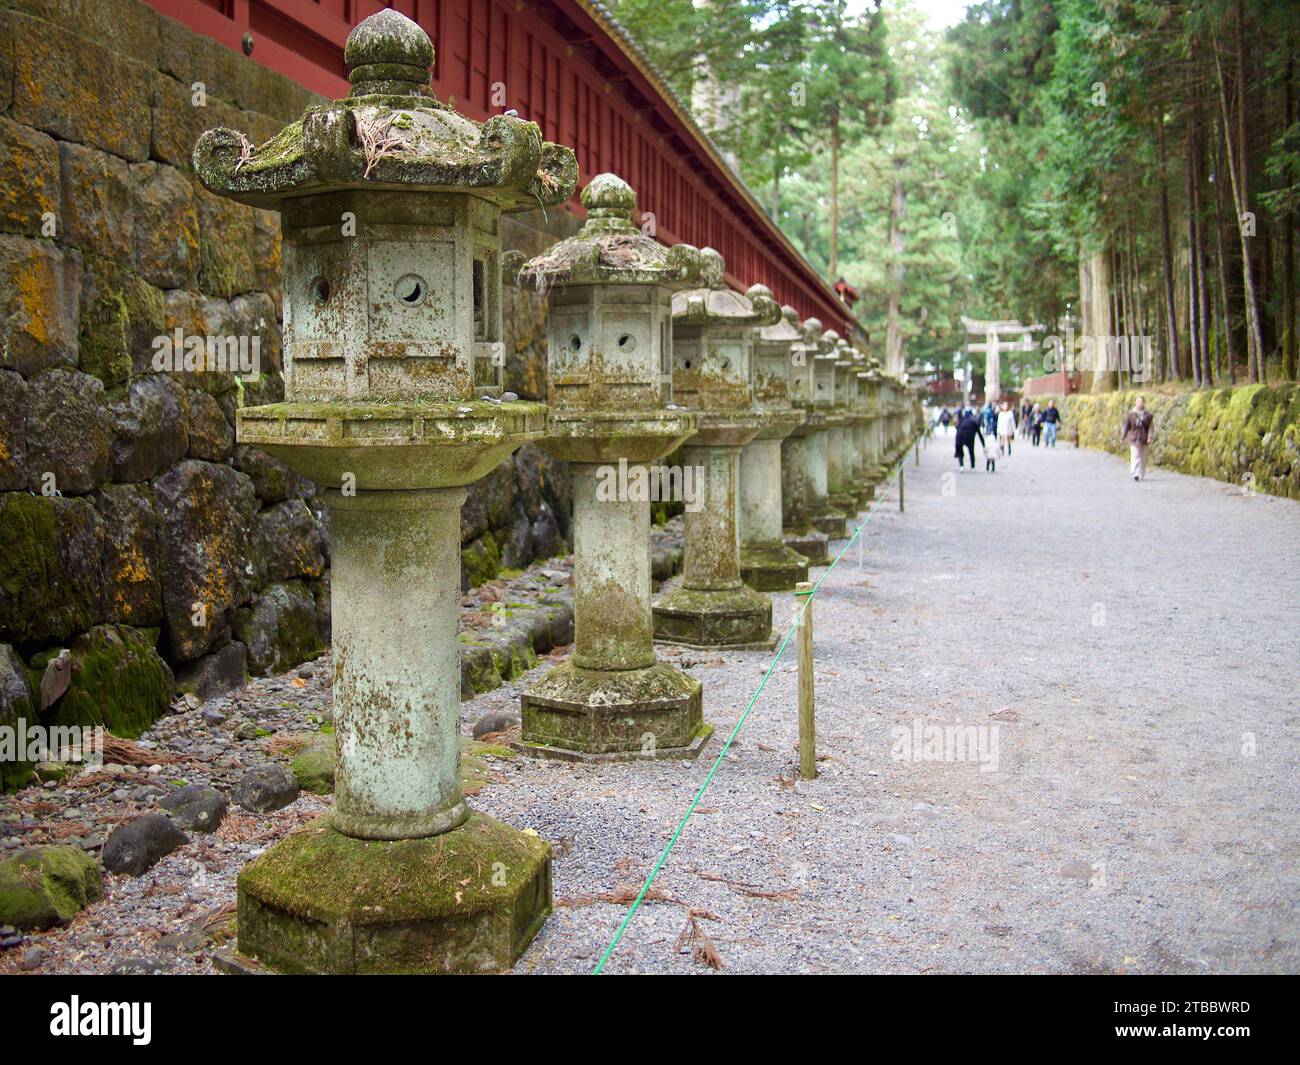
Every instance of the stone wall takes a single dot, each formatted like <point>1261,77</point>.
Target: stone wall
<point>1249,434</point>
<point>140,547</point>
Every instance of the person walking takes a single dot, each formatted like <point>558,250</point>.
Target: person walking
<point>945,419</point>
<point>1006,427</point>
<point>1026,422</point>
<point>967,430</point>
<point>1051,422</point>
<point>1036,424</point>
<point>1138,425</point>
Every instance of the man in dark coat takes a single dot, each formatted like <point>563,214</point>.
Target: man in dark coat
<point>967,430</point>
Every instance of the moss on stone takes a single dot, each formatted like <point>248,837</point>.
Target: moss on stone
<point>1248,434</point>
<point>468,900</point>
<point>118,681</point>
<point>46,886</point>
<point>314,766</point>
<point>481,559</point>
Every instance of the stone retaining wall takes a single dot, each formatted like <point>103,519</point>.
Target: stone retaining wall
<point>1249,434</point>
<point>135,535</point>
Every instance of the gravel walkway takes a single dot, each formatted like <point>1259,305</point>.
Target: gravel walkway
<point>1128,641</point>
<point>1133,645</point>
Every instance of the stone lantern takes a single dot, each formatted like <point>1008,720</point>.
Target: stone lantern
<point>390,208</point>
<point>834,369</point>
<point>766,563</point>
<point>799,534</point>
<point>713,373</point>
<point>823,514</point>
<point>609,361</point>
<point>855,494</point>
<point>873,449</point>
<point>916,391</point>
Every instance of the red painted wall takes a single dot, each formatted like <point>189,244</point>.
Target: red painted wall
<point>557,66</point>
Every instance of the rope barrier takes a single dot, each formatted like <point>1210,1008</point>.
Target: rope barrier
<point>807,601</point>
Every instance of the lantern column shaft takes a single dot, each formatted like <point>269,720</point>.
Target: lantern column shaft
<point>611,595</point>
<point>396,585</point>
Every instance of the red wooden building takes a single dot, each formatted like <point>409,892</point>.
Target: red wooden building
<point>566,65</point>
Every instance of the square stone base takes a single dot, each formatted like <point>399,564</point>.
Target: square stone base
<point>772,567</point>
<point>809,542</point>
<point>740,618</point>
<point>465,901</point>
<point>587,715</point>
<point>831,522</point>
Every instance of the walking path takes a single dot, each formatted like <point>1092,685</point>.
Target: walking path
<point>1136,648</point>
<point>1124,657</point>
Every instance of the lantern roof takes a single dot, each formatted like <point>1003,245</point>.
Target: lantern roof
<point>785,331</point>
<point>389,133</point>
<point>716,304</point>
<point>610,249</point>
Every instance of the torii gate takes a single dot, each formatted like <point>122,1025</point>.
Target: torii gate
<point>993,348</point>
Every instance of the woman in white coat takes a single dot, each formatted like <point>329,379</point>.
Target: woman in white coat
<point>1006,426</point>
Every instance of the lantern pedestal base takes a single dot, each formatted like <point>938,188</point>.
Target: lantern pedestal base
<point>465,901</point>
<point>772,567</point>
<point>830,521</point>
<point>809,542</point>
<point>588,715</point>
<point>739,618</point>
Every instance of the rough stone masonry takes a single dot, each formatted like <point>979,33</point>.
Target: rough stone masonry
<point>134,532</point>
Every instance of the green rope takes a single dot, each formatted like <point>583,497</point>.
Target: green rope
<point>807,601</point>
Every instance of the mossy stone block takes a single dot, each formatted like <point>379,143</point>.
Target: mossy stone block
<point>42,887</point>
<point>466,901</point>
<point>738,617</point>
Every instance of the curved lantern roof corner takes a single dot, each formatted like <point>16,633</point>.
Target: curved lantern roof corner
<point>785,331</point>
<point>713,303</point>
<point>389,132</point>
<point>611,250</point>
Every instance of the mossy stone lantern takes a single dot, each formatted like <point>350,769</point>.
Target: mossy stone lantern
<point>766,563</point>
<point>799,534</point>
<point>825,449</point>
<point>839,433</point>
<point>609,324</point>
<point>860,482</point>
<point>390,207</point>
<point>876,457</point>
<point>869,379</point>
<point>713,374</point>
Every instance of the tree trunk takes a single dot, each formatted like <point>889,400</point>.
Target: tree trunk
<point>1167,256</point>
<point>1288,242</point>
<point>1221,254</point>
<point>833,263</point>
<point>1255,342</point>
<point>1193,294</point>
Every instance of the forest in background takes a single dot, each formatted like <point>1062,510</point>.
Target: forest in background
<point>1131,167</point>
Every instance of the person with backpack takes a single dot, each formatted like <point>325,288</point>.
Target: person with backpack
<point>945,419</point>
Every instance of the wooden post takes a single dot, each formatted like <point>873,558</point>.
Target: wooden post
<point>807,731</point>
<point>902,470</point>
<point>916,451</point>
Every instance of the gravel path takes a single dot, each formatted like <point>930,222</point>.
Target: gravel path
<point>1130,642</point>
<point>1134,646</point>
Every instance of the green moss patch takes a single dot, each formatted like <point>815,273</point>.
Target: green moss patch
<point>46,886</point>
